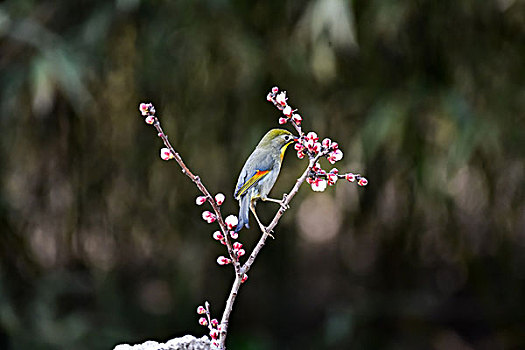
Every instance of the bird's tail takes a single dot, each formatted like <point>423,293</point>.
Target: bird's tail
<point>244,213</point>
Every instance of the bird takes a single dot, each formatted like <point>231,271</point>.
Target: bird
<point>259,173</point>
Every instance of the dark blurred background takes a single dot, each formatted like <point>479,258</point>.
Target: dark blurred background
<point>101,242</point>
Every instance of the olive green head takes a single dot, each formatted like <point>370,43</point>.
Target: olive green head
<point>276,139</point>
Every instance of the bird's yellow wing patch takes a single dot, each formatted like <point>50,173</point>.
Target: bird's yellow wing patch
<point>251,181</point>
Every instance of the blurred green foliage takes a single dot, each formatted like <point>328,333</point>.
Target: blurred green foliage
<point>101,242</point>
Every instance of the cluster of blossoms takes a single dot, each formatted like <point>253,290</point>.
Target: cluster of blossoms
<point>231,222</point>
<point>147,110</point>
<point>319,179</point>
<point>279,100</point>
<point>309,145</point>
<point>212,323</point>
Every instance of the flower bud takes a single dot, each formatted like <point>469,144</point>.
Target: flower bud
<point>312,136</point>
<point>297,119</point>
<point>203,321</point>
<point>282,120</point>
<point>144,108</point>
<point>214,322</point>
<point>244,278</point>
<point>165,154</point>
<point>237,245</point>
<point>200,200</point>
<point>219,198</point>
<point>327,142</point>
<point>217,235</point>
<point>214,334</point>
<point>201,310</point>
<point>240,252</point>
<point>350,177</point>
<point>287,111</point>
<point>222,260</point>
<point>281,98</point>
<point>231,221</point>
<point>234,235</point>
<point>319,185</point>
<point>335,156</point>
<point>149,119</point>
<point>362,182</point>
<point>208,216</point>
<point>275,89</point>
<point>332,178</point>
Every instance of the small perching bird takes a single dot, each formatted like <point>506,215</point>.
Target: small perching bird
<point>259,173</point>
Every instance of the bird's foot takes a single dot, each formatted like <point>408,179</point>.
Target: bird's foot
<point>282,202</point>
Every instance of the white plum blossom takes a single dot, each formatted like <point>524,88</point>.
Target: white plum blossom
<point>219,198</point>
<point>165,154</point>
<point>231,221</point>
<point>319,184</point>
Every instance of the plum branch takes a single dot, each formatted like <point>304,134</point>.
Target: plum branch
<point>307,145</point>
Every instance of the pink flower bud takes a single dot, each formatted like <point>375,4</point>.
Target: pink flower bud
<point>222,260</point>
<point>269,97</point>
<point>362,182</point>
<point>327,142</point>
<point>214,322</point>
<point>200,200</point>
<point>217,235</point>
<point>231,221</point>
<point>334,145</point>
<point>208,216</point>
<point>334,171</point>
<point>165,154</point>
<point>319,185</point>
<point>313,147</point>
<point>282,120</point>
<point>237,245</point>
<point>298,146</point>
<point>149,119</point>
<point>203,321</point>
<point>332,178</point>
<point>234,235</point>
<point>219,198</point>
<point>275,89</point>
<point>335,156</point>
<point>312,136</point>
<point>297,119</point>
<point>241,252</point>
<point>281,98</point>
<point>144,108</point>
<point>300,154</point>
<point>214,334</point>
<point>350,177</point>
<point>244,278</point>
<point>287,111</point>
<point>201,310</point>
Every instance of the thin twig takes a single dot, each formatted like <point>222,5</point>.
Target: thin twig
<point>198,182</point>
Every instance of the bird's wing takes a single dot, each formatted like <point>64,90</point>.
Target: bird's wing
<point>256,177</point>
